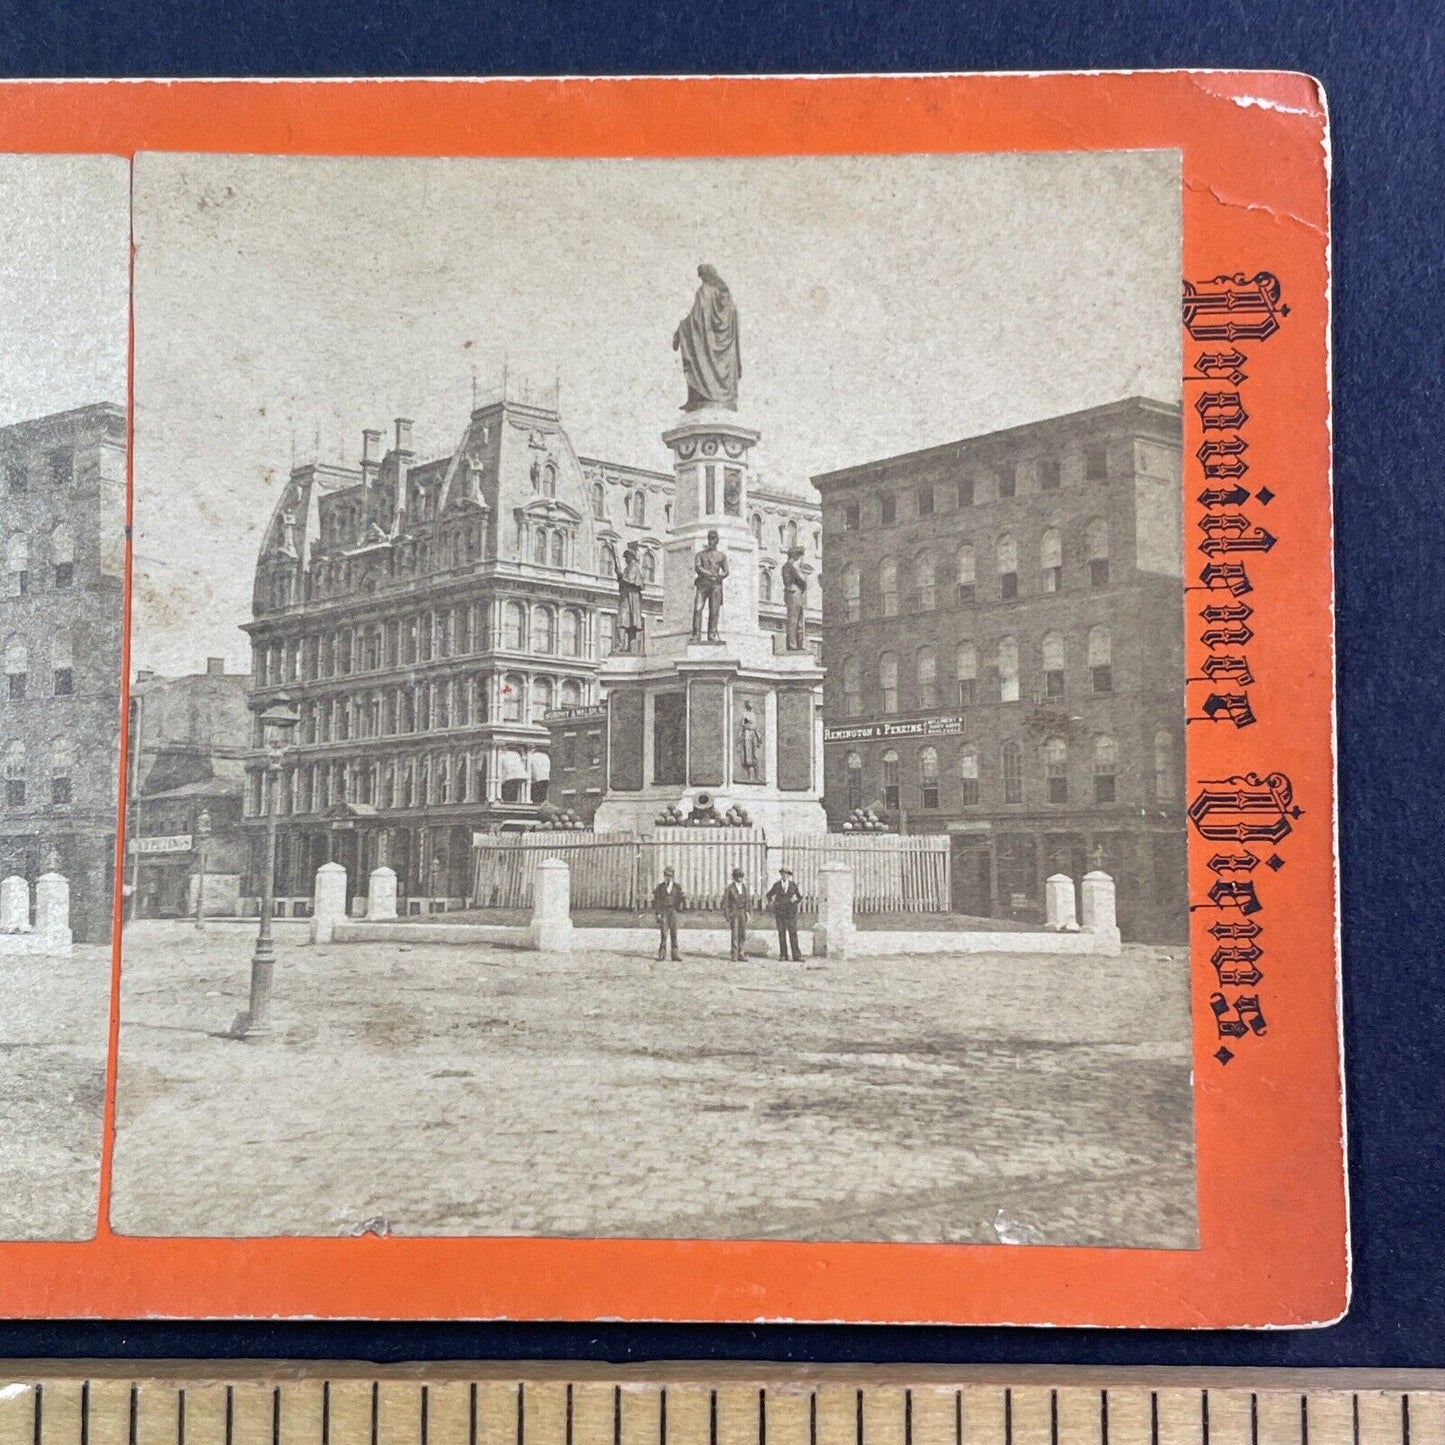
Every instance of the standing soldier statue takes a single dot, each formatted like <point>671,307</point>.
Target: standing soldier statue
<point>629,598</point>
<point>710,566</point>
<point>795,594</point>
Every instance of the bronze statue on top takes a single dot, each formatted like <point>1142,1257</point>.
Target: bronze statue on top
<point>795,595</point>
<point>707,338</point>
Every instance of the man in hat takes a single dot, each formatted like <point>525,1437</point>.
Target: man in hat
<point>735,910</point>
<point>795,595</point>
<point>784,897</point>
<point>629,597</point>
<point>710,567</point>
<point>667,903</point>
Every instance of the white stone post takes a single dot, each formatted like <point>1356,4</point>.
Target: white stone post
<point>1059,913</point>
<point>1099,916</point>
<point>14,905</point>
<point>381,895</point>
<point>52,912</point>
<point>551,927</point>
<point>834,935</point>
<point>329,902</point>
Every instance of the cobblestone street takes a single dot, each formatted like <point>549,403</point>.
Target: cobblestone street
<point>53,1036</point>
<point>429,1089</point>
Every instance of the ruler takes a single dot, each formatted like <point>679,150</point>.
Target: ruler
<point>325,1403</point>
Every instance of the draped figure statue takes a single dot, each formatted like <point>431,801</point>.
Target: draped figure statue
<point>707,338</point>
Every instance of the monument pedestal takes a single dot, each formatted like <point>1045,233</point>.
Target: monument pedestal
<point>737,720</point>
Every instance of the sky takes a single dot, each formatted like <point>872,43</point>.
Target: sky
<point>885,304</point>
<point>64,283</point>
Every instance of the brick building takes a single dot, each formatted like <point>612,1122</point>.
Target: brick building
<point>188,737</point>
<point>427,614</point>
<point>62,532</point>
<point>577,741</point>
<point>1003,620</point>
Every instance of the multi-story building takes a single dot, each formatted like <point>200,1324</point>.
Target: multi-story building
<point>1003,620</point>
<point>62,545</point>
<point>578,745</point>
<point>188,740</point>
<point>426,615</point>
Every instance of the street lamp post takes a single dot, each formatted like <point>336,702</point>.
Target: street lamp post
<point>203,831</point>
<point>276,720</point>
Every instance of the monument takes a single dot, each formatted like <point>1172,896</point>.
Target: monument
<point>707,709</point>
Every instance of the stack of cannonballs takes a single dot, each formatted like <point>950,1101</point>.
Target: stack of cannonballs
<point>864,820</point>
<point>736,817</point>
<point>559,820</point>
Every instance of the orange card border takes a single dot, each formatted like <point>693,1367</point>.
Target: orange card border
<point>1270,1126</point>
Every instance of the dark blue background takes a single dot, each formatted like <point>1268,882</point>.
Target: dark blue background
<point>1381,68</point>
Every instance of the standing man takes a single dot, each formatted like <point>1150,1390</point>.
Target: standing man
<point>667,903</point>
<point>710,567</point>
<point>629,597</point>
<point>785,897</point>
<point>735,910</point>
<point>795,595</point>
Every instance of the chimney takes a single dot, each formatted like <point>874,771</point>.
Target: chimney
<point>403,436</point>
<point>370,452</point>
<point>215,667</point>
<point>145,674</point>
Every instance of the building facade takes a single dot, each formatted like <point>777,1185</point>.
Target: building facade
<point>1003,619</point>
<point>578,746</point>
<point>425,615</point>
<point>188,738</point>
<point>62,532</point>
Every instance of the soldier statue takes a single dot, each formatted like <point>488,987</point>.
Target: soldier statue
<point>795,595</point>
<point>710,566</point>
<point>629,598</point>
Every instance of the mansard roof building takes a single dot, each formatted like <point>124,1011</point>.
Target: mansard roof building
<point>426,614</point>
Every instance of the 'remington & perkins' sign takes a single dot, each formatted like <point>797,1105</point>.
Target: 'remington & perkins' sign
<point>905,728</point>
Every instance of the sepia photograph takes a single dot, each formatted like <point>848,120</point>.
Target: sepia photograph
<point>64,302</point>
<point>657,701</point>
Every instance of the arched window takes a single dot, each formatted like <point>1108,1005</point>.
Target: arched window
<point>1011,756</point>
<point>782,536</point>
<point>513,686</point>
<point>649,566</point>
<point>1053,660</point>
<point>544,630</point>
<point>852,688</point>
<point>968,776</point>
<point>1056,770</point>
<point>1051,560</point>
<point>928,776</point>
<point>852,593</point>
<point>967,568</point>
<point>541,698</point>
<point>854,798</point>
<point>1101,659</point>
<point>606,633</point>
<point>62,554</point>
<point>17,669</point>
<point>1008,670</point>
<point>570,694</point>
<point>756,523</point>
<point>791,537</point>
<point>539,545</point>
<point>559,549</point>
<point>888,681</point>
<point>965,663</point>
<point>571,629</point>
<point>923,576</point>
<point>1106,765</point>
<point>1166,782</point>
<point>512,774</point>
<point>15,774</point>
<point>62,663</point>
<point>927,678</point>
<point>607,560</point>
<point>765,584</point>
<point>888,587</point>
<point>549,480</point>
<point>599,500</point>
<point>1096,549</point>
<point>890,780</point>
<point>637,508</point>
<point>17,566</point>
<point>514,627</point>
<point>523,532</point>
<point>1007,552</point>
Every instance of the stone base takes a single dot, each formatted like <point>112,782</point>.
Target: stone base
<point>777,814</point>
<point>555,937</point>
<point>35,944</point>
